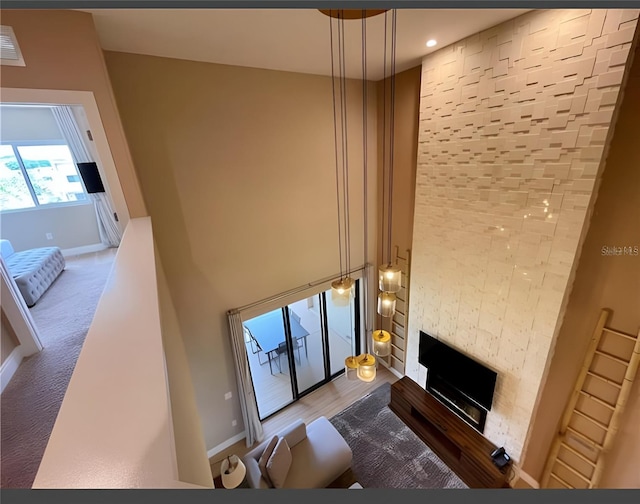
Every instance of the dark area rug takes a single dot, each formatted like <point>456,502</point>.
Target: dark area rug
<point>387,453</point>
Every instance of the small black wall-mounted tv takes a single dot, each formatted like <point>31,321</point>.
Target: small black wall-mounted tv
<point>91,177</point>
<point>459,371</point>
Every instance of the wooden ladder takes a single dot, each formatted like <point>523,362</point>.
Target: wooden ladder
<point>398,324</point>
<point>592,416</point>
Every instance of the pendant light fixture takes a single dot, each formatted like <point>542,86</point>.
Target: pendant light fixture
<point>341,288</point>
<point>367,364</point>
<point>389,276</point>
<point>386,304</point>
<point>362,367</point>
<point>381,343</point>
<point>351,368</point>
<point>342,291</point>
<point>366,367</point>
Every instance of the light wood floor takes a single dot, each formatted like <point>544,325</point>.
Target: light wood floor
<point>326,401</point>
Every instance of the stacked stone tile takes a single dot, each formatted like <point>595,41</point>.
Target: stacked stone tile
<point>513,127</point>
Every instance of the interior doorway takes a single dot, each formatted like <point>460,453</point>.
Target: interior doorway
<point>53,330</point>
<point>89,122</point>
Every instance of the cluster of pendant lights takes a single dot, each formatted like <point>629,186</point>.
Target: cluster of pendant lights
<point>342,288</point>
<point>363,366</point>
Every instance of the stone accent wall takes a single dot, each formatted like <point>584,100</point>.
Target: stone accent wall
<point>513,123</point>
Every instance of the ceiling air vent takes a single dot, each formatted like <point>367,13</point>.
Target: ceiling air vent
<point>9,50</point>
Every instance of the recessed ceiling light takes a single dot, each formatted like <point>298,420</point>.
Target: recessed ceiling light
<point>431,43</point>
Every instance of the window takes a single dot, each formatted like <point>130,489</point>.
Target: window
<point>37,174</point>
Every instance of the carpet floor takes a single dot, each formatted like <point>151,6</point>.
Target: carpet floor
<point>387,453</point>
<point>30,402</point>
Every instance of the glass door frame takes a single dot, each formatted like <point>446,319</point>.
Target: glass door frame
<point>325,332</point>
<point>324,328</point>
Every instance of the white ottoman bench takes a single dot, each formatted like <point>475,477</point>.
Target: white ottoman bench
<point>33,270</point>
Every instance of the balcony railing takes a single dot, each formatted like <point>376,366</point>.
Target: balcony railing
<point>116,427</point>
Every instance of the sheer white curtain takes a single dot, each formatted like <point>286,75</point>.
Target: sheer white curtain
<point>109,231</point>
<point>252,424</point>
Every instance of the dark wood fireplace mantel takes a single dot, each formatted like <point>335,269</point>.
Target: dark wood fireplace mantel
<point>465,450</point>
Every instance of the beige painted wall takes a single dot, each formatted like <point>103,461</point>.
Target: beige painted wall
<point>62,52</point>
<point>513,124</point>
<point>407,107</point>
<point>237,169</point>
<point>602,282</point>
<point>191,452</point>
<point>71,226</point>
<point>8,339</point>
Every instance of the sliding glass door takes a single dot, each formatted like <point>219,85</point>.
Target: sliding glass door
<point>341,332</point>
<point>308,343</point>
<point>297,348</point>
<point>264,338</point>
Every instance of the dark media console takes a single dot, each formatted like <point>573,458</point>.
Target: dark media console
<point>465,450</point>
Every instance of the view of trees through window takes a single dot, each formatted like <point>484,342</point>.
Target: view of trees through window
<point>38,174</point>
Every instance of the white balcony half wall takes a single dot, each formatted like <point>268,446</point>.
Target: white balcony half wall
<point>115,428</point>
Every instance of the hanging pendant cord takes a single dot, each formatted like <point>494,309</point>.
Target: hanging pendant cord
<point>365,99</point>
<point>364,161</point>
<point>384,146</point>
<point>384,134</point>
<point>391,128</point>
<point>345,152</point>
<point>335,132</point>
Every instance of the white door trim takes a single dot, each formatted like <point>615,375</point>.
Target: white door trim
<point>10,366</point>
<point>13,304</point>
<point>18,314</point>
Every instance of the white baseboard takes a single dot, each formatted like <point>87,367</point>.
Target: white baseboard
<point>395,372</point>
<point>226,444</point>
<point>87,249</point>
<point>10,366</point>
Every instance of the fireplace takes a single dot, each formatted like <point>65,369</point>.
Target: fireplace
<point>461,383</point>
<point>456,401</point>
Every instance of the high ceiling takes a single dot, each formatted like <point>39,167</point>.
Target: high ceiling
<point>295,40</point>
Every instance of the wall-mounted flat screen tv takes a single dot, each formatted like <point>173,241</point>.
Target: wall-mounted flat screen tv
<point>464,374</point>
<point>91,177</point>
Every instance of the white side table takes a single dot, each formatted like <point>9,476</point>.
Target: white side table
<point>233,473</point>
